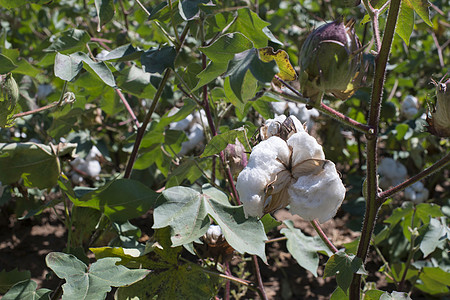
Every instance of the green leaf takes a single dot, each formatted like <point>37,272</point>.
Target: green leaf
<point>8,4</point>
<point>221,141</point>
<point>92,283</point>
<point>98,68</point>
<point>212,71</point>
<point>249,61</point>
<point>6,64</point>
<point>251,25</point>
<point>177,282</point>
<point>72,38</point>
<point>373,294</point>
<point>26,290</point>
<point>186,212</point>
<point>304,248</point>
<point>435,281</point>
<point>30,160</point>
<point>405,23</point>
<point>189,9</point>
<point>421,7</point>
<point>10,278</point>
<point>227,46</point>
<point>269,223</point>
<point>189,170</point>
<point>435,235</point>
<point>157,60</point>
<point>136,82</point>
<point>66,67</point>
<point>124,53</point>
<point>343,266</point>
<point>401,129</point>
<point>120,200</point>
<point>426,210</point>
<point>105,12</point>
<point>339,294</point>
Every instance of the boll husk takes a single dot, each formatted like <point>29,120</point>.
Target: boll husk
<point>236,157</point>
<point>329,61</point>
<point>289,168</point>
<point>439,117</point>
<point>9,95</point>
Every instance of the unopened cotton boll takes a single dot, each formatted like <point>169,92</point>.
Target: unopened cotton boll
<point>417,193</point>
<point>409,107</point>
<point>290,171</point>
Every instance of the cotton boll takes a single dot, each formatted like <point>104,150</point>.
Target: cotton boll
<point>250,185</point>
<point>195,137</point>
<point>268,155</point>
<point>391,172</point>
<point>182,124</point>
<point>279,107</point>
<point>317,196</point>
<point>304,114</point>
<point>271,127</point>
<point>417,193</point>
<point>200,117</point>
<point>304,147</point>
<point>409,107</point>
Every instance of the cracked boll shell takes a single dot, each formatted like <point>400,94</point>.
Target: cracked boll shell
<point>439,123</point>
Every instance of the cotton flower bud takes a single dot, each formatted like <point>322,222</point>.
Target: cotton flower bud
<point>236,157</point>
<point>409,107</point>
<point>439,121</point>
<point>9,94</point>
<point>417,193</point>
<point>329,61</point>
<point>217,246</point>
<point>291,171</point>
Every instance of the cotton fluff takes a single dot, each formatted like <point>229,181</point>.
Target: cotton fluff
<point>298,110</point>
<point>409,107</point>
<point>192,126</point>
<point>391,172</point>
<point>88,165</point>
<point>293,171</point>
<point>416,193</point>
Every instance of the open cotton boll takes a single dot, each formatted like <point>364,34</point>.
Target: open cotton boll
<point>293,171</point>
<point>409,107</point>
<point>391,172</point>
<point>195,137</point>
<point>279,107</point>
<point>304,147</point>
<point>317,196</point>
<point>182,124</point>
<point>417,193</point>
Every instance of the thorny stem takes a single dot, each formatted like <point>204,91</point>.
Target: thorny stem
<point>323,236</point>
<point>147,118</point>
<point>322,108</point>
<point>372,205</point>
<point>128,107</point>
<point>434,168</point>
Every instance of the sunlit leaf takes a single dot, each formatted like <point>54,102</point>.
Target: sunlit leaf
<point>93,282</point>
<point>105,12</point>
<point>26,290</point>
<point>287,71</point>
<point>66,67</point>
<point>405,23</point>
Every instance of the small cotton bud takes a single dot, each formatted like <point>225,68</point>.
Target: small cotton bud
<point>236,157</point>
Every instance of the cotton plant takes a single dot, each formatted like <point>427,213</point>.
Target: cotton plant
<point>417,193</point>
<point>391,172</point>
<point>88,165</point>
<point>409,107</point>
<point>288,167</point>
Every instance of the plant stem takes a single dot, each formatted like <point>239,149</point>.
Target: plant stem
<point>329,112</point>
<point>372,205</point>
<point>147,118</point>
<point>128,107</point>
<point>323,236</point>
<point>413,249</point>
<point>434,168</point>
<point>259,278</point>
